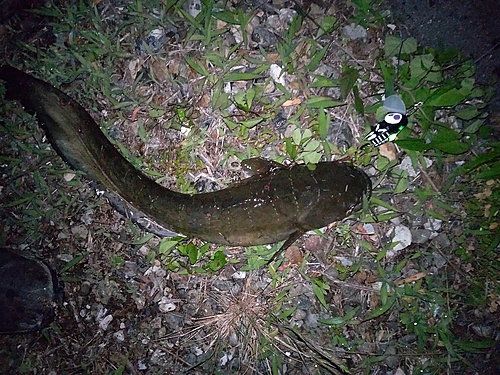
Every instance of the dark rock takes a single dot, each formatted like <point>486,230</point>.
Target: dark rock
<point>28,292</point>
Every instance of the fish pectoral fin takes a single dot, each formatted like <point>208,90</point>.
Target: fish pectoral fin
<point>289,241</point>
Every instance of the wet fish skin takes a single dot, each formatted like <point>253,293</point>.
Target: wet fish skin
<point>280,204</point>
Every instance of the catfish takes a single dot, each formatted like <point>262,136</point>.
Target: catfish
<point>278,203</point>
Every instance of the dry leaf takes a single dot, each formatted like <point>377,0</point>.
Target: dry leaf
<point>294,254</point>
<point>388,150</point>
<point>412,278</point>
<point>291,102</point>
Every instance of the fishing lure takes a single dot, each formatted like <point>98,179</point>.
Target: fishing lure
<point>394,121</point>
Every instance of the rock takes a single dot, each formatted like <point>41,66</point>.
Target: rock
<point>354,31</point>
<point>368,228</point>
<point>28,290</point>
<point>406,165</point>
<point>119,335</point>
<point>403,237</point>
<point>299,314</point>
<point>303,303</point>
<point>311,320</point>
<point>420,235</point>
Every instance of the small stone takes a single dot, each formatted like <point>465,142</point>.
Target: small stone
<point>299,314</point>
<point>198,351</point>
<point>392,359</point>
<point>439,260</point>
<point>420,235</point>
<point>69,176</point>
<point>406,165</point>
<point>287,15</point>
<point>159,358</point>
<point>277,73</point>
<point>402,235</point>
<point>369,229</point>
<point>65,257</point>
<point>441,241</point>
<point>141,365</point>
<point>433,224</point>
<point>104,323</point>
<point>346,262</point>
<point>80,231</point>
<point>239,275</point>
<point>311,320</point>
<point>166,306</point>
<point>354,31</point>
<point>304,303</point>
<point>119,335</point>
<point>156,323</point>
<point>194,7</point>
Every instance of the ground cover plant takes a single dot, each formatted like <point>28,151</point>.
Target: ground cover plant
<point>187,90</point>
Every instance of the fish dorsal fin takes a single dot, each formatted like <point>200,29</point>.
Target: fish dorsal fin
<point>257,167</point>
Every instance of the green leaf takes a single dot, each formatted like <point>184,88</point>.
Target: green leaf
<point>195,66</point>
<point>392,45</point>
<point>491,173</point>
<point>320,294</point>
<point>231,124</point>
<point>358,102</point>
<point>413,144</point>
<point>452,147</point>
<point>420,66</point>
<point>313,64</point>
<point>327,25</point>
<point>348,78</point>
<point>219,260</point>
<point>450,98</point>
<point>445,135</point>
<point>155,113</point>
<point>340,320</point>
<point>402,183</point>
<point>322,102</point>
<point>409,46</point>
<point>385,307</point>
<point>297,136</point>
<point>226,16</point>
<point>193,253</point>
<point>480,160</point>
<point>467,86</point>
<point>311,157</point>
<point>73,262</point>
<point>468,113</point>
<point>324,123</point>
<point>167,244</point>
<point>143,240</point>
<point>251,123</point>
<point>321,81</point>
<point>294,27</point>
<point>285,314</point>
<point>312,145</point>
<point>291,148</point>
<point>388,79</point>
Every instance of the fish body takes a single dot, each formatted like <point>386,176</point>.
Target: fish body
<point>279,204</point>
